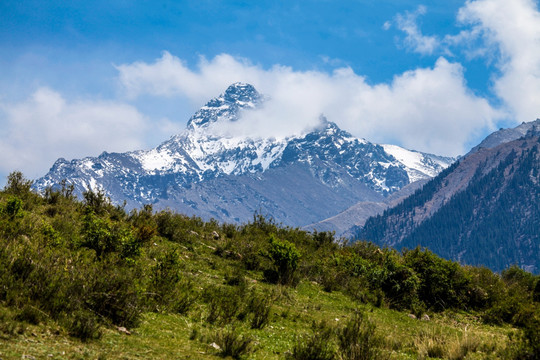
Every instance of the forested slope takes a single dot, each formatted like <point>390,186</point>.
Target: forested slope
<point>483,210</point>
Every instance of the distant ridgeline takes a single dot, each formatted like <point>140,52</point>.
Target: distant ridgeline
<point>482,210</point>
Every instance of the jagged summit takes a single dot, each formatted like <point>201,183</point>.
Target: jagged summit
<point>298,180</point>
<point>226,106</point>
<point>330,128</point>
<point>241,93</point>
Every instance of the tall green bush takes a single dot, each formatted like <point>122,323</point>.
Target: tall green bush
<point>444,284</point>
<point>284,257</point>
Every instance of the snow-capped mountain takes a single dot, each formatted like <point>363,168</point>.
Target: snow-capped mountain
<point>297,180</point>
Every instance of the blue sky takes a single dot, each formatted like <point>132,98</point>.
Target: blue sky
<point>85,77</point>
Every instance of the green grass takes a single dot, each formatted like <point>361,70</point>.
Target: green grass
<point>161,336</point>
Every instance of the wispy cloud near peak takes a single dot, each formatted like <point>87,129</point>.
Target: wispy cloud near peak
<point>414,110</point>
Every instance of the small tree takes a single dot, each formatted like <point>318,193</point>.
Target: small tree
<point>284,257</point>
<point>105,236</point>
<point>17,184</point>
<point>96,201</point>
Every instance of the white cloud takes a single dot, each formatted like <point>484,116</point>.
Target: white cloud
<point>510,31</point>
<point>504,33</point>
<point>45,127</point>
<point>415,40</point>
<point>170,76</point>
<point>425,109</point>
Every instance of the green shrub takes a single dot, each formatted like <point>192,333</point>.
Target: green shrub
<point>176,227</point>
<point>331,275</point>
<point>486,287</point>
<point>444,284</point>
<point>504,310</point>
<point>52,236</point>
<point>236,278</point>
<point>113,296</point>
<point>536,291</point>
<point>105,236</point>
<point>183,302</point>
<point>251,254</point>
<point>168,290</point>
<point>145,224</point>
<point>233,344</point>
<point>400,284</point>
<point>324,239</point>
<point>22,266</point>
<point>229,230</point>
<point>260,305</point>
<point>224,304</point>
<point>317,346</point>
<point>17,184</point>
<point>264,224</point>
<point>97,235</point>
<point>524,345</point>
<point>84,326</point>
<point>96,202</point>
<point>14,207</point>
<point>518,278</point>
<point>284,257</point>
<point>9,327</point>
<point>357,340</point>
<point>166,272</point>
<point>531,346</point>
<point>30,314</point>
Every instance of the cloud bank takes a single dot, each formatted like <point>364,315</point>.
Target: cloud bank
<point>510,31</point>
<point>504,33</point>
<point>45,126</point>
<point>429,109</point>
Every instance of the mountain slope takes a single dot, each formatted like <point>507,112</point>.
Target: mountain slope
<point>483,210</point>
<point>297,180</point>
<point>345,223</point>
<point>506,135</point>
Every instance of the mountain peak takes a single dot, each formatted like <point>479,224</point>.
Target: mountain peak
<point>328,128</point>
<point>226,106</point>
<point>241,92</point>
<point>206,172</point>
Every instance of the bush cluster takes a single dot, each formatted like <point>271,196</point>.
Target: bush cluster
<point>356,340</point>
<point>88,264</point>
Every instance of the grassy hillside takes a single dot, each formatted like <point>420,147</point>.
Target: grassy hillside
<point>86,280</point>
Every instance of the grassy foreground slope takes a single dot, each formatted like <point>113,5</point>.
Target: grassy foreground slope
<point>86,280</point>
